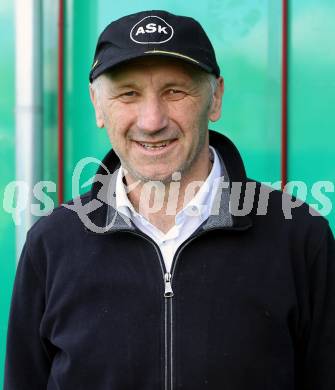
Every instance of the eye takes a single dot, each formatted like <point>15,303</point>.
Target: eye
<point>175,94</point>
<point>128,96</point>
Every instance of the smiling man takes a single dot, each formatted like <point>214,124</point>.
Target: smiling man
<point>156,113</point>
<point>171,286</point>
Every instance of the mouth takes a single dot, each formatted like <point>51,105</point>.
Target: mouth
<point>155,146</point>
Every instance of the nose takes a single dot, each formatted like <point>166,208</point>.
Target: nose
<point>152,114</point>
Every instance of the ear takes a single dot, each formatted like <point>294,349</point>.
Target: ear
<point>99,118</point>
<point>215,108</point>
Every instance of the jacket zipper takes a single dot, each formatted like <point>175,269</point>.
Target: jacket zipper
<point>169,310</point>
<point>168,304</point>
<point>168,293</point>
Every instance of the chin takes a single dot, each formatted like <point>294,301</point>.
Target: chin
<point>149,174</point>
<point>161,178</point>
<point>164,177</point>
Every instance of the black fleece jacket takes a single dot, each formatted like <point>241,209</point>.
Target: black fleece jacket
<point>252,308</point>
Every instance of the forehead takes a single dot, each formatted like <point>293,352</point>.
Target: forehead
<point>163,65</point>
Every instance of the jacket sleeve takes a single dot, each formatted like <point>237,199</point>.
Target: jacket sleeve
<point>319,351</point>
<point>27,364</point>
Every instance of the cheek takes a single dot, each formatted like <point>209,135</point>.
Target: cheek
<point>191,117</point>
<point>117,123</point>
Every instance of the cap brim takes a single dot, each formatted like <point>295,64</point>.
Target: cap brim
<point>100,68</point>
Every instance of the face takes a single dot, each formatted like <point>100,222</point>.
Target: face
<point>156,113</point>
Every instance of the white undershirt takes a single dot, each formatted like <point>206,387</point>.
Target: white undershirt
<point>187,220</point>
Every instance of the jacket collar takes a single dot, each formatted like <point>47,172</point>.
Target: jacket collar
<point>109,220</point>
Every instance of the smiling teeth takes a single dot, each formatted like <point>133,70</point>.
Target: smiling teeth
<point>154,146</point>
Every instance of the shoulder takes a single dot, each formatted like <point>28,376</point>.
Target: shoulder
<point>288,219</point>
<point>62,223</point>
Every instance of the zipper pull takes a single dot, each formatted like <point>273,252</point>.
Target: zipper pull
<point>168,293</point>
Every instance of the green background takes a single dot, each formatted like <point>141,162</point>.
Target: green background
<point>247,38</point>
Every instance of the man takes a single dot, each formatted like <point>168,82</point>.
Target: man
<point>162,285</point>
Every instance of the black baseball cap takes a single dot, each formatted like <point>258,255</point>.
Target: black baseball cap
<point>153,33</point>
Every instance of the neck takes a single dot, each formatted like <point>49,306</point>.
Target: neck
<point>159,204</point>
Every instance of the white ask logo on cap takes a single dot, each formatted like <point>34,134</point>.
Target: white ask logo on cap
<point>151,29</point>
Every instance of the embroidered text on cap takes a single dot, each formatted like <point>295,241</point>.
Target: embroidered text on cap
<point>151,29</point>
